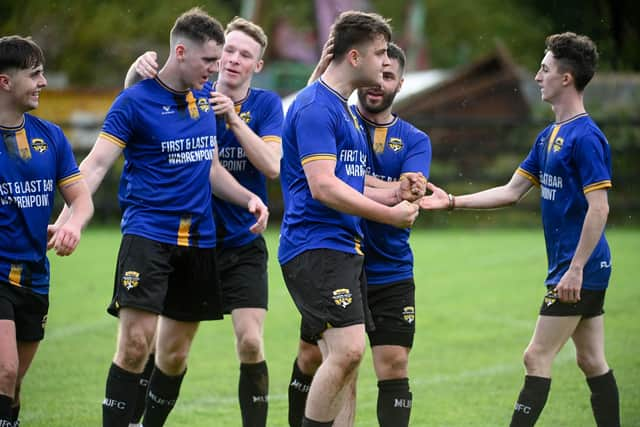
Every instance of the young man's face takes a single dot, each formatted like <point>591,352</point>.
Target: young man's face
<point>26,85</point>
<point>200,61</point>
<point>372,60</point>
<point>549,78</point>
<point>240,59</point>
<point>378,98</point>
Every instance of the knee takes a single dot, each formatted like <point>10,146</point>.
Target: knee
<point>250,348</point>
<point>173,361</point>
<point>591,364</point>
<point>350,357</point>
<point>133,353</point>
<point>393,367</point>
<point>8,377</point>
<point>534,359</point>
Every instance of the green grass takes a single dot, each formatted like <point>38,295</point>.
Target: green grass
<point>478,294</point>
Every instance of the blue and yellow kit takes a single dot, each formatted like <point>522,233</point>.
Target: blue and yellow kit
<point>35,158</point>
<point>395,148</point>
<point>319,125</point>
<point>568,160</point>
<point>168,139</point>
<point>262,112</point>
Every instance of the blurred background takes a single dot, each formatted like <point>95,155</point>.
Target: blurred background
<point>469,81</point>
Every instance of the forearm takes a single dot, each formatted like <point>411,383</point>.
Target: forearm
<point>226,187</point>
<point>387,196</point>
<point>81,206</point>
<point>265,156</point>
<point>592,229</point>
<point>339,196</point>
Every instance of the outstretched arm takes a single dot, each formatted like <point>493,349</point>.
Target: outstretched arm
<point>496,197</point>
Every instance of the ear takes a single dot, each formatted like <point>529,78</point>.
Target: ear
<point>353,56</point>
<point>5,82</point>
<point>567,79</point>
<point>180,51</point>
<point>259,66</point>
<point>401,83</point>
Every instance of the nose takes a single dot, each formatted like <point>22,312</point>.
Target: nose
<point>43,81</point>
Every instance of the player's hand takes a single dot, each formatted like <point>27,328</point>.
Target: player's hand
<point>52,229</point>
<point>437,200</point>
<point>147,65</point>
<point>222,105</point>
<point>261,212</point>
<point>65,239</point>
<point>404,214</point>
<point>325,59</point>
<point>570,285</point>
<point>413,186</point>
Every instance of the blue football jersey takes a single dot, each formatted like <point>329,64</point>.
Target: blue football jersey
<point>262,111</point>
<point>319,125</point>
<point>395,148</point>
<point>568,160</point>
<point>35,158</point>
<point>169,140</point>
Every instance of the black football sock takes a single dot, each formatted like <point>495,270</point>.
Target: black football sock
<point>531,400</point>
<point>15,412</point>
<point>120,397</point>
<point>306,422</point>
<point>142,389</point>
<point>5,411</point>
<point>161,398</point>
<point>298,392</point>
<point>605,401</point>
<point>253,393</point>
<point>394,402</point>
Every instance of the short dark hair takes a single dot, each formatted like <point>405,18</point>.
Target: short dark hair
<point>352,28</point>
<point>198,26</point>
<point>249,28</point>
<point>19,53</point>
<point>395,52</point>
<point>576,54</point>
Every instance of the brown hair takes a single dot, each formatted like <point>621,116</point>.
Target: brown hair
<point>576,54</point>
<point>20,53</point>
<point>352,28</point>
<point>249,28</point>
<point>196,25</point>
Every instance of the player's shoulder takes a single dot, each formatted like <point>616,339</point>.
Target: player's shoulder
<point>313,98</point>
<point>411,130</point>
<point>31,121</point>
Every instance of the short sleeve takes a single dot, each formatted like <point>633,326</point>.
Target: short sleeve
<point>592,158</point>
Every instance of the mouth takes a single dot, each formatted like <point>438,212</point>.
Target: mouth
<point>231,72</point>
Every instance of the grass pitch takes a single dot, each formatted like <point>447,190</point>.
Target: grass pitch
<point>478,293</point>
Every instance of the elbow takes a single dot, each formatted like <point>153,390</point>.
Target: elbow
<point>273,172</point>
<point>320,192</point>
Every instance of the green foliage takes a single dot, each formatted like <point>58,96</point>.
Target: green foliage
<point>477,296</point>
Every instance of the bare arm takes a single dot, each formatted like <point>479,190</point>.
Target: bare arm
<point>325,58</point>
<point>66,238</point>
<point>93,168</point>
<point>264,155</point>
<point>333,192</point>
<point>496,197</point>
<point>226,187</point>
<point>144,67</point>
<point>571,282</point>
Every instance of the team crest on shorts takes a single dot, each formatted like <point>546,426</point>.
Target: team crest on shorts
<point>130,279</point>
<point>44,321</point>
<point>551,297</point>
<point>39,145</point>
<point>409,314</point>
<point>342,297</point>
